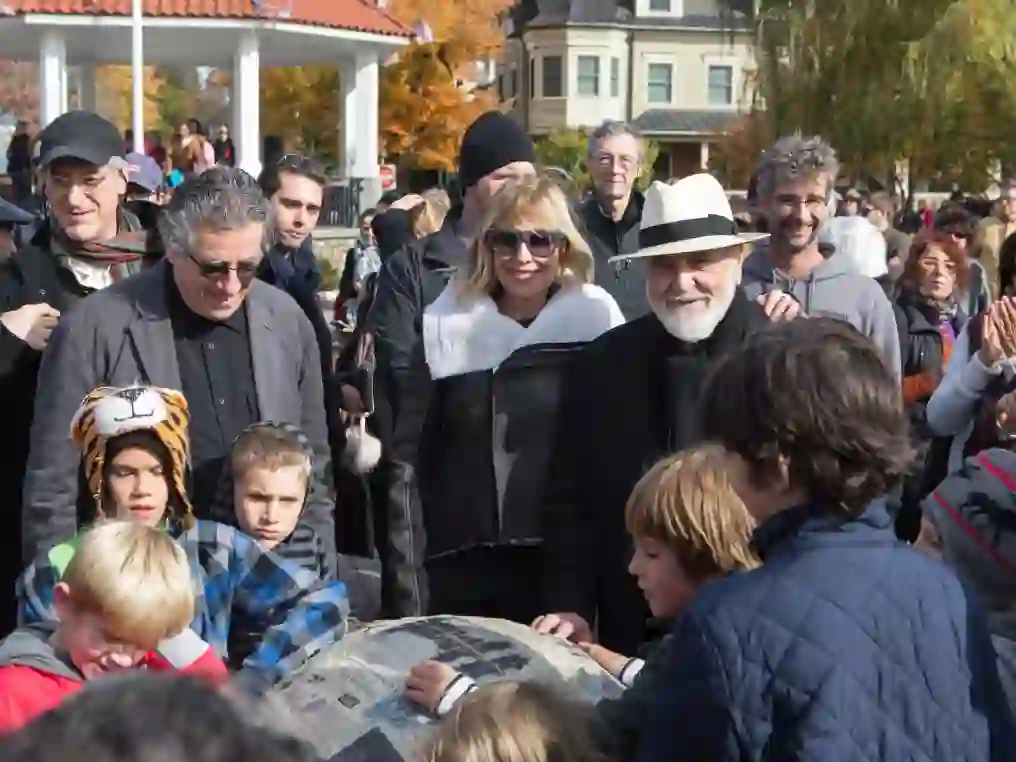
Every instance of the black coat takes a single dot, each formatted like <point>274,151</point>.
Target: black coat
<point>409,280</point>
<point>625,280</point>
<point>488,444</point>
<point>631,398</point>
<point>32,276</point>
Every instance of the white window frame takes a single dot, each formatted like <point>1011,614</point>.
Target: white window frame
<point>649,66</point>
<point>597,75</point>
<point>676,9</point>
<point>736,66</point>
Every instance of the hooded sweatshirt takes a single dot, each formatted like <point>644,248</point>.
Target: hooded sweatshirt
<point>833,289</point>
<point>974,512</point>
<point>36,677</point>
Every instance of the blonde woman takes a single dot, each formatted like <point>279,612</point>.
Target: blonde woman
<point>497,343</point>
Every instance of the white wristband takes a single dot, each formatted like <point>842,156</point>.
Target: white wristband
<point>456,689</point>
<point>630,671</point>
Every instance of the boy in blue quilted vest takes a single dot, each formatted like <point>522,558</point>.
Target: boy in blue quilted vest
<point>844,643</point>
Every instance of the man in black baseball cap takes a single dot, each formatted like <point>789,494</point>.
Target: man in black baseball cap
<point>81,136</point>
<point>83,176</point>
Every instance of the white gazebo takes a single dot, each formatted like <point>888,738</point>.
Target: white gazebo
<point>243,35</point>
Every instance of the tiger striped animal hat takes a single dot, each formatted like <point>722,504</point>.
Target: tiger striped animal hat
<point>108,413</point>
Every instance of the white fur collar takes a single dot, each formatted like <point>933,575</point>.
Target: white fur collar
<point>466,334</point>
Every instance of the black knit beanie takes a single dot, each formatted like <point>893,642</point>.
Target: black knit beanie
<point>493,141</point>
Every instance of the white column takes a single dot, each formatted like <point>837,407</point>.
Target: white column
<point>704,156</point>
<point>138,75</point>
<point>87,92</point>
<point>360,124</point>
<point>246,101</point>
<point>347,82</point>
<point>52,76</point>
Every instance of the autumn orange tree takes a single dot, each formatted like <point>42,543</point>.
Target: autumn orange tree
<point>427,94</point>
<point>301,106</point>
<point>114,95</point>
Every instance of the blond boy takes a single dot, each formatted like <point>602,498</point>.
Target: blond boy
<point>126,592</point>
<point>689,528</point>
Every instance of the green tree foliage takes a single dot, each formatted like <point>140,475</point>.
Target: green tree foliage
<point>931,81</point>
<point>566,149</point>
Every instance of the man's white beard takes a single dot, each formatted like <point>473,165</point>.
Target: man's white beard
<point>693,324</point>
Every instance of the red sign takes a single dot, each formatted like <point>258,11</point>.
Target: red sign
<point>387,174</point>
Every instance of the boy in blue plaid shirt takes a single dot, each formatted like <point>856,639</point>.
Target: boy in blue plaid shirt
<point>270,467</point>
<point>135,451</point>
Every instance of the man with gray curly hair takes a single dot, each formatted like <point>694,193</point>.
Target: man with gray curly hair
<point>201,322</point>
<point>791,274</point>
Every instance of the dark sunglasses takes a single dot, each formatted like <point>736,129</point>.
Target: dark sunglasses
<point>245,271</point>
<point>541,243</point>
<point>961,234</point>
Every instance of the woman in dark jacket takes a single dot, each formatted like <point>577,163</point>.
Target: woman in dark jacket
<point>932,283</point>
<point>496,343</point>
<point>929,317</point>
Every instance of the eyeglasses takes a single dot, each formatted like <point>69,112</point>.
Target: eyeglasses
<point>506,243</point>
<point>245,271</point>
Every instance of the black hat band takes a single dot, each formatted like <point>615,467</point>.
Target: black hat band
<point>685,230</point>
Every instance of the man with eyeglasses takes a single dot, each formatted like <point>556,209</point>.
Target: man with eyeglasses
<point>792,275</point>
<point>200,321</point>
<point>84,175</point>
<point>611,214</point>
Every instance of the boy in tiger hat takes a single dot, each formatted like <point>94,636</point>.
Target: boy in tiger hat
<point>135,450</point>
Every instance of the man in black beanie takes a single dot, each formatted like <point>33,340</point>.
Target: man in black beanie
<point>495,150</point>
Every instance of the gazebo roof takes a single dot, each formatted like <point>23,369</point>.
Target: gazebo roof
<point>354,15</point>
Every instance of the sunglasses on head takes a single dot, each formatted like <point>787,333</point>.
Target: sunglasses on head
<point>245,271</point>
<point>506,242</point>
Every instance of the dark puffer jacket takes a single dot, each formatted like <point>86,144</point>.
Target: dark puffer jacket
<point>844,645</point>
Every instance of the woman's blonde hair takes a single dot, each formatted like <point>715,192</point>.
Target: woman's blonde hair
<point>511,721</point>
<point>428,217</point>
<point>686,502</point>
<point>135,578</point>
<point>530,199</point>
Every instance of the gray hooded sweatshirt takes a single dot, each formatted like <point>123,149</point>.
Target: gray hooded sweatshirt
<point>833,289</point>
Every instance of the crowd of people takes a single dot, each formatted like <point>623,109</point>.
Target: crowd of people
<point>758,466</point>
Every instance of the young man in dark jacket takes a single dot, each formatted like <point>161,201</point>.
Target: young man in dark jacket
<point>844,644</point>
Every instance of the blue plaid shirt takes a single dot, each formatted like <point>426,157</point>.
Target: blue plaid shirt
<point>301,613</point>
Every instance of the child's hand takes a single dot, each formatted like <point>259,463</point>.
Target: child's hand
<point>569,626</point>
<point>610,661</point>
<point>427,683</point>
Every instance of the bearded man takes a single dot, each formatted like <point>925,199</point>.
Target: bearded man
<point>633,397</point>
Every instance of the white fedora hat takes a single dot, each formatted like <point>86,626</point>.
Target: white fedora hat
<point>693,214</point>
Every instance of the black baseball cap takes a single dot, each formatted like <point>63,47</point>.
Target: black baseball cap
<point>81,135</point>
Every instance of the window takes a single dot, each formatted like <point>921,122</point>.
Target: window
<point>721,85</point>
<point>615,77</point>
<point>532,79</point>
<point>553,87</point>
<point>513,82</point>
<point>660,89</point>
<point>659,6</point>
<point>589,75</point>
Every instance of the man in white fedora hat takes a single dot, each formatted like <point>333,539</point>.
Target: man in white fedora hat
<point>795,186</point>
<point>634,397</point>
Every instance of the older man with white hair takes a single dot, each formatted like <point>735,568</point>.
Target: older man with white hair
<point>633,397</point>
